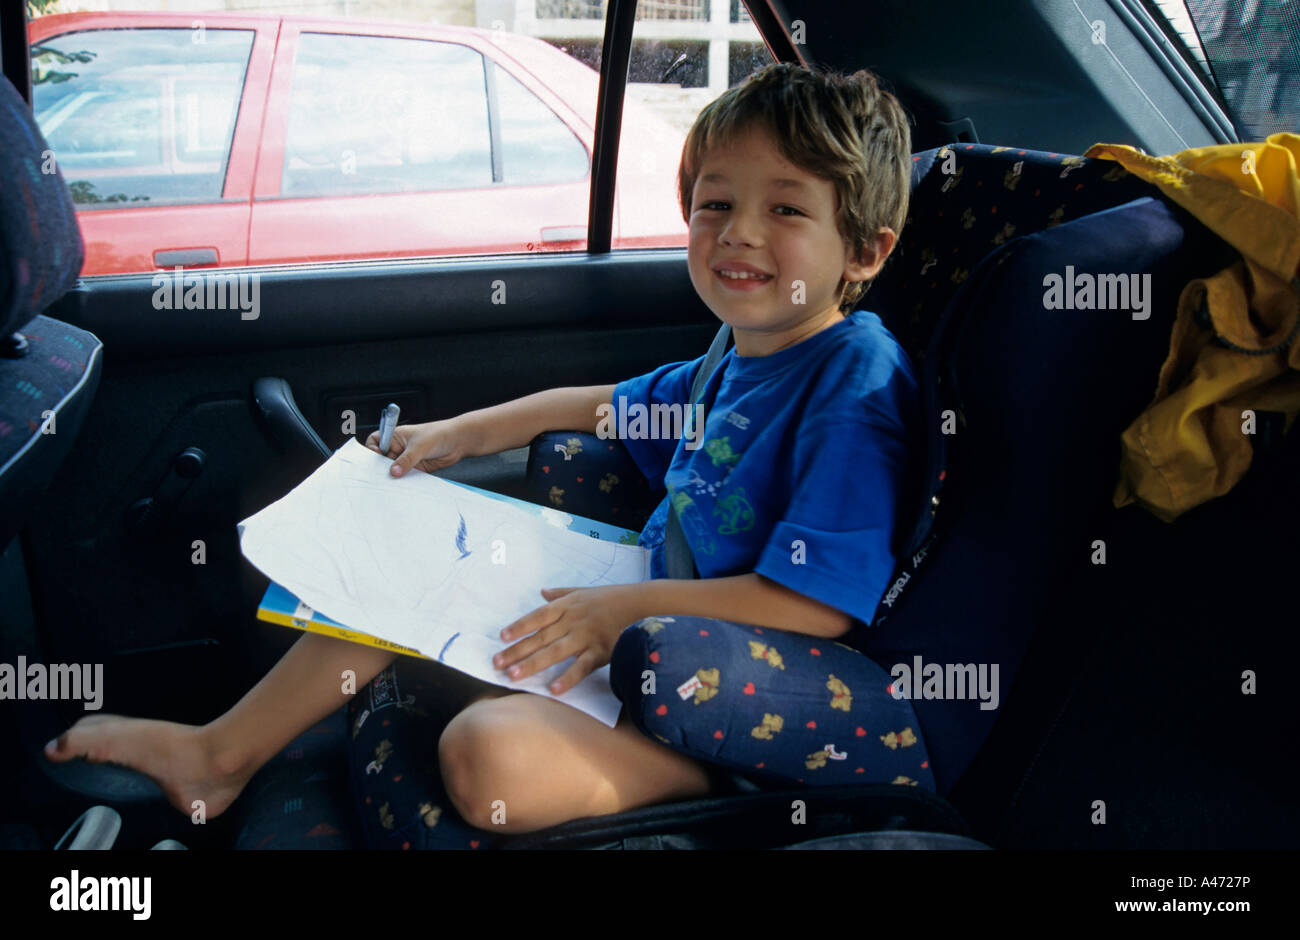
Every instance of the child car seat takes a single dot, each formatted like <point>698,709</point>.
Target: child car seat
<point>1003,496</point>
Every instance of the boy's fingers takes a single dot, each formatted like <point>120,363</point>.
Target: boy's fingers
<point>531,622</point>
<point>527,646</point>
<point>545,658</point>
<point>585,665</point>
<point>521,650</point>
<point>404,461</point>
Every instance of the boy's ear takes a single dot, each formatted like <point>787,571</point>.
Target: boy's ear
<point>872,257</point>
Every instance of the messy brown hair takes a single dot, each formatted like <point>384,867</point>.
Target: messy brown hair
<point>845,129</point>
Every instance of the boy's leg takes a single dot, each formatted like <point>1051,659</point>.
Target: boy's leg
<point>523,762</point>
<point>212,762</point>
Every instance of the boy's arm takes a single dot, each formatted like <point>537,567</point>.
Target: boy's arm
<point>515,423</point>
<point>746,598</point>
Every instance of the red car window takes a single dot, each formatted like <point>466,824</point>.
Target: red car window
<point>536,146</point>
<point>140,116</point>
<point>373,114</point>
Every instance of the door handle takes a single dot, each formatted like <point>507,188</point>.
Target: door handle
<point>184,257</point>
<point>564,233</point>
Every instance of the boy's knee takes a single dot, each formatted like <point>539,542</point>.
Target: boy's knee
<point>480,763</point>
<point>458,766</point>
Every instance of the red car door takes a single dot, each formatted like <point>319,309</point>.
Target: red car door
<point>411,142</point>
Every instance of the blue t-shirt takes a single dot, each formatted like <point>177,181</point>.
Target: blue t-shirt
<point>800,464</point>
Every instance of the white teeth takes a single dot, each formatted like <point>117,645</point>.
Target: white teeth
<point>743,276</point>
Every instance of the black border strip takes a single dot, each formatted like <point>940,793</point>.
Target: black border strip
<point>13,48</point>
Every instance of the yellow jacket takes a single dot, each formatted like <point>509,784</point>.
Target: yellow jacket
<point>1192,443</point>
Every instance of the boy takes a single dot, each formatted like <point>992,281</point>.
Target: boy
<point>794,185</point>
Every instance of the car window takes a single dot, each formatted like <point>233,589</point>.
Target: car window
<point>536,146</point>
<point>370,114</point>
<point>1250,50</point>
<point>684,54</point>
<point>140,116</point>
<point>337,132</point>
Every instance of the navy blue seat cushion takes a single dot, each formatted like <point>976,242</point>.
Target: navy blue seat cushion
<point>1043,396</point>
<point>44,398</point>
<point>393,728</point>
<point>50,373</point>
<point>301,798</point>
<point>578,472</point>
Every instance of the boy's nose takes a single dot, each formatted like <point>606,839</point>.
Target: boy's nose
<point>740,232</point>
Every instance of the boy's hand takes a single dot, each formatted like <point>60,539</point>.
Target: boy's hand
<point>428,447</point>
<point>581,622</point>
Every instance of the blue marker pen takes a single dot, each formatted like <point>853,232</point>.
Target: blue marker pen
<point>387,423</point>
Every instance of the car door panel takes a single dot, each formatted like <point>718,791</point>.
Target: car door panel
<point>346,339</point>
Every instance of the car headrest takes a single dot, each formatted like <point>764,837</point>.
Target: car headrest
<point>41,250</point>
<point>968,200</point>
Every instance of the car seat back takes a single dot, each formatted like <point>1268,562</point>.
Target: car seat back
<point>49,369</point>
<point>967,201</point>
<point>1038,397</point>
<point>49,372</point>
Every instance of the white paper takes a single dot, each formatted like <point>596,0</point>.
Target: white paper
<point>431,565</point>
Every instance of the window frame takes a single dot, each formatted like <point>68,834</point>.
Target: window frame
<point>615,56</point>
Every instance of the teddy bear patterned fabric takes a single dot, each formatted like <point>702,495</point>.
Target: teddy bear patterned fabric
<point>967,201</point>
<point>393,728</point>
<point>784,707</point>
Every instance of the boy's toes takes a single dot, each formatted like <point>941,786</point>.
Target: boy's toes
<point>73,742</point>
<point>61,749</point>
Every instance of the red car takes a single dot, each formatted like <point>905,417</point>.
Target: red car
<point>220,139</point>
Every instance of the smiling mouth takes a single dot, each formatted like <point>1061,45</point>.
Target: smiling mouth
<point>742,277</point>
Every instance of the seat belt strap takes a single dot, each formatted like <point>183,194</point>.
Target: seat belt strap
<point>677,553</point>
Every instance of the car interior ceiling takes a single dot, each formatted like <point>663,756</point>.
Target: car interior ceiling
<point>181,641</point>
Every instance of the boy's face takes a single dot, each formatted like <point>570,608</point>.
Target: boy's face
<point>754,211</point>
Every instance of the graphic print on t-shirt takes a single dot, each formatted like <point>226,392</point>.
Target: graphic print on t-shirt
<point>704,503</point>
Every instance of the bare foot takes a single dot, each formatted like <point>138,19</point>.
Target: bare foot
<point>177,757</point>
